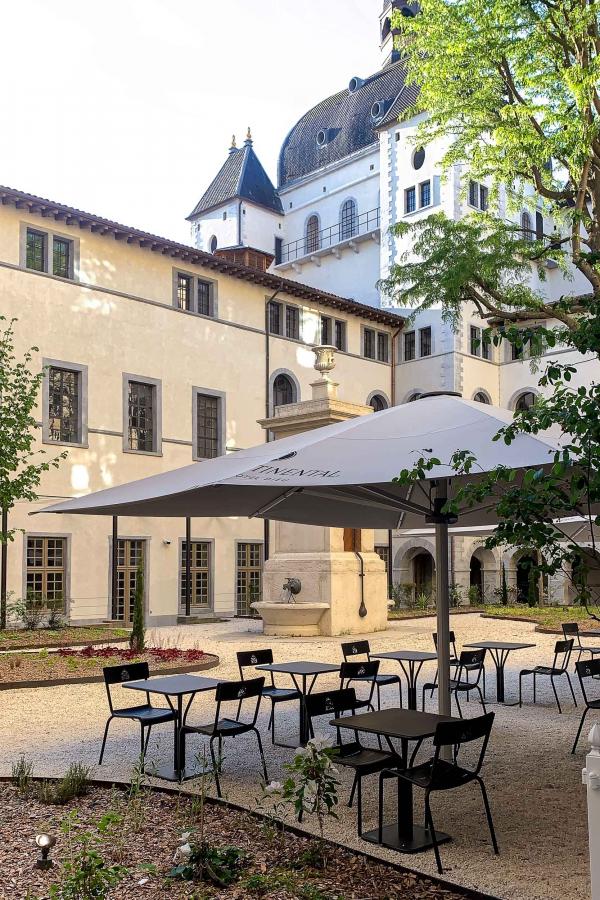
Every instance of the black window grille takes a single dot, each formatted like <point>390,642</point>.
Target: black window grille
<point>526,227</point>
<point>480,397</point>
<point>141,416</point>
<point>425,342</point>
<point>35,250</point>
<point>204,297</point>
<point>377,403</point>
<point>313,241</point>
<point>63,405</point>
<point>483,198</point>
<point>325,330</point>
<point>475,341</point>
<point>425,193</point>
<point>383,552</point>
<point>248,577</point>
<point>539,226</point>
<point>473,194</point>
<point>340,334</point>
<point>207,426</point>
<point>292,322</point>
<point>486,345</point>
<point>274,317</point>
<point>61,257</point>
<point>409,346</point>
<point>410,200</point>
<point>184,291</point>
<point>130,556</point>
<point>383,346</point>
<point>348,220</point>
<point>525,401</point>
<point>283,391</point>
<point>200,587</point>
<point>369,343</point>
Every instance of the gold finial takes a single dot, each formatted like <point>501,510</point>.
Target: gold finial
<point>248,136</point>
<point>233,147</point>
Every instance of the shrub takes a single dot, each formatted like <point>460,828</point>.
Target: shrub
<point>55,618</point>
<point>75,783</point>
<point>28,611</point>
<point>21,774</point>
<point>138,629</point>
<point>85,874</point>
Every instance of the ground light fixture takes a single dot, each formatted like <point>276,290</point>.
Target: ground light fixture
<point>45,842</point>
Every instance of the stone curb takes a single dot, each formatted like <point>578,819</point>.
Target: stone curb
<point>542,629</point>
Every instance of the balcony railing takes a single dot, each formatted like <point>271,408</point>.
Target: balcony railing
<point>345,230</point>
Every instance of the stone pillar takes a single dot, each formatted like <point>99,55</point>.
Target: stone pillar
<point>344,591</point>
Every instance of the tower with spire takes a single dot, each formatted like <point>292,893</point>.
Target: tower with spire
<point>240,215</point>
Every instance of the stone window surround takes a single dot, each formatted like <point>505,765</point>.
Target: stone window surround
<point>195,278</point>
<point>283,321</point>
<point>82,426</point>
<point>376,331</point>
<point>417,189</point>
<point>221,396</point>
<point>157,414</point>
<point>334,320</point>
<point>417,333</point>
<point>211,569</point>
<point>296,384</point>
<point>50,234</point>
<point>67,537</point>
<point>381,394</point>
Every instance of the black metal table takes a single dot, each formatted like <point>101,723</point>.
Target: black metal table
<point>414,660</point>
<point>403,725</point>
<point>499,651</point>
<point>302,670</point>
<point>176,686</point>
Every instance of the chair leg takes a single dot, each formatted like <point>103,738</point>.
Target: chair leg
<point>359,805</point>
<point>534,686</point>
<point>378,697</point>
<point>262,755</point>
<point>215,765</point>
<point>104,740</point>
<point>415,751</point>
<point>353,791</point>
<point>483,680</point>
<point>555,694</point>
<point>147,740</point>
<point>581,721</point>
<point>481,698</point>
<point>571,686</point>
<point>458,704</point>
<point>429,823</point>
<point>400,693</point>
<point>520,690</point>
<point>432,689</point>
<point>488,814</point>
<point>380,811</point>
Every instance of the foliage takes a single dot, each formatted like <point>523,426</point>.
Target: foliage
<point>85,874</point>
<point>28,611</point>
<point>54,619</point>
<point>455,596</point>
<point>202,862</point>
<point>75,783</point>
<point>138,628</point>
<point>21,774</point>
<point>21,466</point>
<point>502,592</point>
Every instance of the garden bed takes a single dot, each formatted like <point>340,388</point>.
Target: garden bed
<point>431,611</point>
<point>549,619</point>
<point>50,668</point>
<point>142,830</point>
<point>68,636</point>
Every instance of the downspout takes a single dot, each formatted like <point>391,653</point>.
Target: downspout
<point>266,532</point>
<point>362,609</point>
<point>393,369</point>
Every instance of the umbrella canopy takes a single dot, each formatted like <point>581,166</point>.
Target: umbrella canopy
<point>348,467</point>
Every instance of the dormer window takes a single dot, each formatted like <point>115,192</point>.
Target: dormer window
<point>322,137</point>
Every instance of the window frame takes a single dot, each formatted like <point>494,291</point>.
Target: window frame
<point>348,223</point>
<point>66,567</point>
<point>312,236</point>
<point>372,337</point>
<point>296,310</point>
<point>221,420</point>
<point>383,337</point>
<point>155,383</point>
<point>49,236</point>
<point>194,281</point>
<point>82,413</point>
<point>44,236</point>
<point>210,570</point>
<point>69,244</point>
<point>239,542</point>
<point>294,387</point>
<point>412,334</point>
<point>343,325</point>
<point>410,192</point>
<point>422,185</point>
<point>424,332</point>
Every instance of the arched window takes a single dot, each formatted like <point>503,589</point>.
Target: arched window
<point>283,391</point>
<point>378,402</point>
<point>526,227</point>
<point>414,396</point>
<point>525,401</point>
<point>313,241</point>
<point>213,243</point>
<point>481,397</point>
<point>348,220</point>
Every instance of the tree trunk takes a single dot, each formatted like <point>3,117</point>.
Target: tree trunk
<point>3,568</point>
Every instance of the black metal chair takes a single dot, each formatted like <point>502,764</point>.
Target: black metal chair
<point>360,671</point>
<point>454,660</point>
<point>146,714</point>
<point>586,669</point>
<point>250,659</point>
<point>362,760</point>
<point>439,775</point>
<point>468,676</point>
<point>571,630</point>
<point>229,692</point>
<point>354,649</point>
<point>560,666</point>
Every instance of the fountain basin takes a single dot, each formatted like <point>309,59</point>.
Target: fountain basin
<point>290,619</point>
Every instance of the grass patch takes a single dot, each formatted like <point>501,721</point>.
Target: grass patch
<point>547,616</point>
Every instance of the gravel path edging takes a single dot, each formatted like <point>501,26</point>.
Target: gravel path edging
<point>454,611</point>
<point>212,663</point>
<point>99,781</point>
<point>18,648</point>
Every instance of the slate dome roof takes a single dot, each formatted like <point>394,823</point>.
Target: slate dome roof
<point>343,124</point>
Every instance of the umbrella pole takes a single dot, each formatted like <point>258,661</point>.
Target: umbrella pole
<point>443,617</point>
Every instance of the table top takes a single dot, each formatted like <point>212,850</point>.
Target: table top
<point>174,685</point>
<point>498,645</point>
<point>300,667</point>
<point>406,655</point>
<point>410,724</point>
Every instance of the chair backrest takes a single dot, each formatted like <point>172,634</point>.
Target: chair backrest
<point>587,668</point>
<point>455,734</point>
<point>331,703</point>
<point>239,692</point>
<point>136,671</point>
<point>366,671</point>
<point>571,629</point>
<point>451,641</point>
<point>562,654</point>
<point>248,658</point>
<point>470,665</point>
<point>350,649</point>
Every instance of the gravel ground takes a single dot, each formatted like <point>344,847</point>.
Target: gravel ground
<point>534,783</point>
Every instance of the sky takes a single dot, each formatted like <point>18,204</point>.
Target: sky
<point>126,108</point>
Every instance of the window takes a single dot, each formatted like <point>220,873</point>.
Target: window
<point>383,346</point>
<point>410,200</point>
<point>184,291</point>
<point>425,194</point>
<point>369,343</point>
<point>415,396</point>
<point>142,416</point>
<point>539,226</point>
<point>61,257</point>
<point>248,577</point>
<point>278,250</point>
<point>480,397</point>
<point>425,341</point>
<point>525,401</point>
<point>326,330</point>
<point>213,244</point>
<point>35,250</point>
<point>131,554</point>
<point>204,297</point>
<point>348,220</point>
<point>526,227</point>
<point>200,565</point>
<point>45,573</point>
<point>478,195</point>
<point>292,322</point>
<point>483,197</point>
<point>486,345</point>
<point>383,552</point>
<point>208,426</point>
<point>340,335</point>
<point>275,317</point>
<point>409,346</point>
<point>64,399</point>
<point>313,241</point>
<point>283,391</point>
<point>475,341</point>
<point>378,403</point>
<point>418,158</point>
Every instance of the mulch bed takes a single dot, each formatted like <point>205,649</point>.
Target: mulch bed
<point>69,636</point>
<point>50,668</point>
<point>148,829</point>
<point>430,612</point>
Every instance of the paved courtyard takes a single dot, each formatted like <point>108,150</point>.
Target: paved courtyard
<point>534,783</point>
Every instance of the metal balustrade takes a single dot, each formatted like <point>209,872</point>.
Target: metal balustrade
<point>347,228</point>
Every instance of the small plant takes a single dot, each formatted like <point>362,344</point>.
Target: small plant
<point>75,783</point>
<point>85,874</point>
<point>28,611</point>
<point>455,596</point>
<point>21,774</point>
<point>502,593</point>
<point>474,595</point>
<point>424,601</point>
<point>55,619</point>
<point>221,866</point>
<point>137,638</point>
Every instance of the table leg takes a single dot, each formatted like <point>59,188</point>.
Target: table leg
<point>303,716</point>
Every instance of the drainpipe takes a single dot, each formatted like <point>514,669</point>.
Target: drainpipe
<point>393,369</point>
<point>362,609</point>
<point>390,573</point>
<point>266,532</point>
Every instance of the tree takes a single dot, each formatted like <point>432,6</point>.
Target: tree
<point>511,86</point>
<point>21,465</point>
<point>137,639</point>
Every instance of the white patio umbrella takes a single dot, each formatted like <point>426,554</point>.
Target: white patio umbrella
<point>341,476</point>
